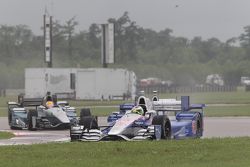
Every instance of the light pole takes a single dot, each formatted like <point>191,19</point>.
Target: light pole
<point>108,51</point>
<point>48,39</point>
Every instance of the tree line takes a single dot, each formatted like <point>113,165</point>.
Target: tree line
<point>147,52</point>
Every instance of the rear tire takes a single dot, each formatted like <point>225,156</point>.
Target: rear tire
<point>31,113</point>
<point>199,126</point>
<point>164,121</point>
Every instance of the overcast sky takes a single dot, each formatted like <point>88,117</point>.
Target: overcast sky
<point>222,19</point>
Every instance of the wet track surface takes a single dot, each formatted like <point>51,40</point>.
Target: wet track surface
<point>32,137</point>
<point>35,137</point>
<point>226,127</point>
<point>213,127</point>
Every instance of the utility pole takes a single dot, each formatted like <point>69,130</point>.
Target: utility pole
<point>104,63</point>
<point>108,51</point>
<point>48,39</point>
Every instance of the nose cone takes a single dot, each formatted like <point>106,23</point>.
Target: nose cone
<point>124,122</point>
<point>60,114</point>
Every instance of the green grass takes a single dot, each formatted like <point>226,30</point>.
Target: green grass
<point>238,97</point>
<point>6,135</point>
<point>4,100</point>
<point>3,112</point>
<point>103,111</point>
<point>228,152</point>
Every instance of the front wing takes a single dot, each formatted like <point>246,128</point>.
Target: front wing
<point>79,133</point>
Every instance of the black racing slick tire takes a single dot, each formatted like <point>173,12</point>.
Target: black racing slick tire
<point>9,117</point>
<point>85,112</point>
<point>199,125</point>
<point>73,137</point>
<point>165,123</point>
<point>31,113</point>
<point>89,122</point>
<point>15,128</point>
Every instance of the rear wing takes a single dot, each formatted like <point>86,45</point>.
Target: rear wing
<point>12,105</point>
<point>25,102</point>
<point>167,105</point>
<point>174,105</point>
<point>197,106</point>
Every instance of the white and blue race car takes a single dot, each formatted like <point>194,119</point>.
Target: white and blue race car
<point>148,119</point>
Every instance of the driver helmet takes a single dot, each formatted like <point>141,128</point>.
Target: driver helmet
<point>49,104</point>
<point>137,110</point>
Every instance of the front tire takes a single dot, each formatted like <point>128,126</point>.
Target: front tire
<point>9,116</point>
<point>89,122</point>
<point>15,128</point>
<point>31,113</point>
<point>165,123</point>
<point>85,112</point>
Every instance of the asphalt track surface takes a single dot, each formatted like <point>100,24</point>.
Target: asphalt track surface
<point>213,127</point>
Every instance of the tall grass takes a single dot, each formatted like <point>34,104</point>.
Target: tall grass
<point>228,152</point>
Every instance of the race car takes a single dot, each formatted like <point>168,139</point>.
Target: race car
<point>40,113</point>
<point>148,119</point>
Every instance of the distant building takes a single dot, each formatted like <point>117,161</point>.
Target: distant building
<point>80,83</point>
<point>245,81</point>
<point>214,79</point>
